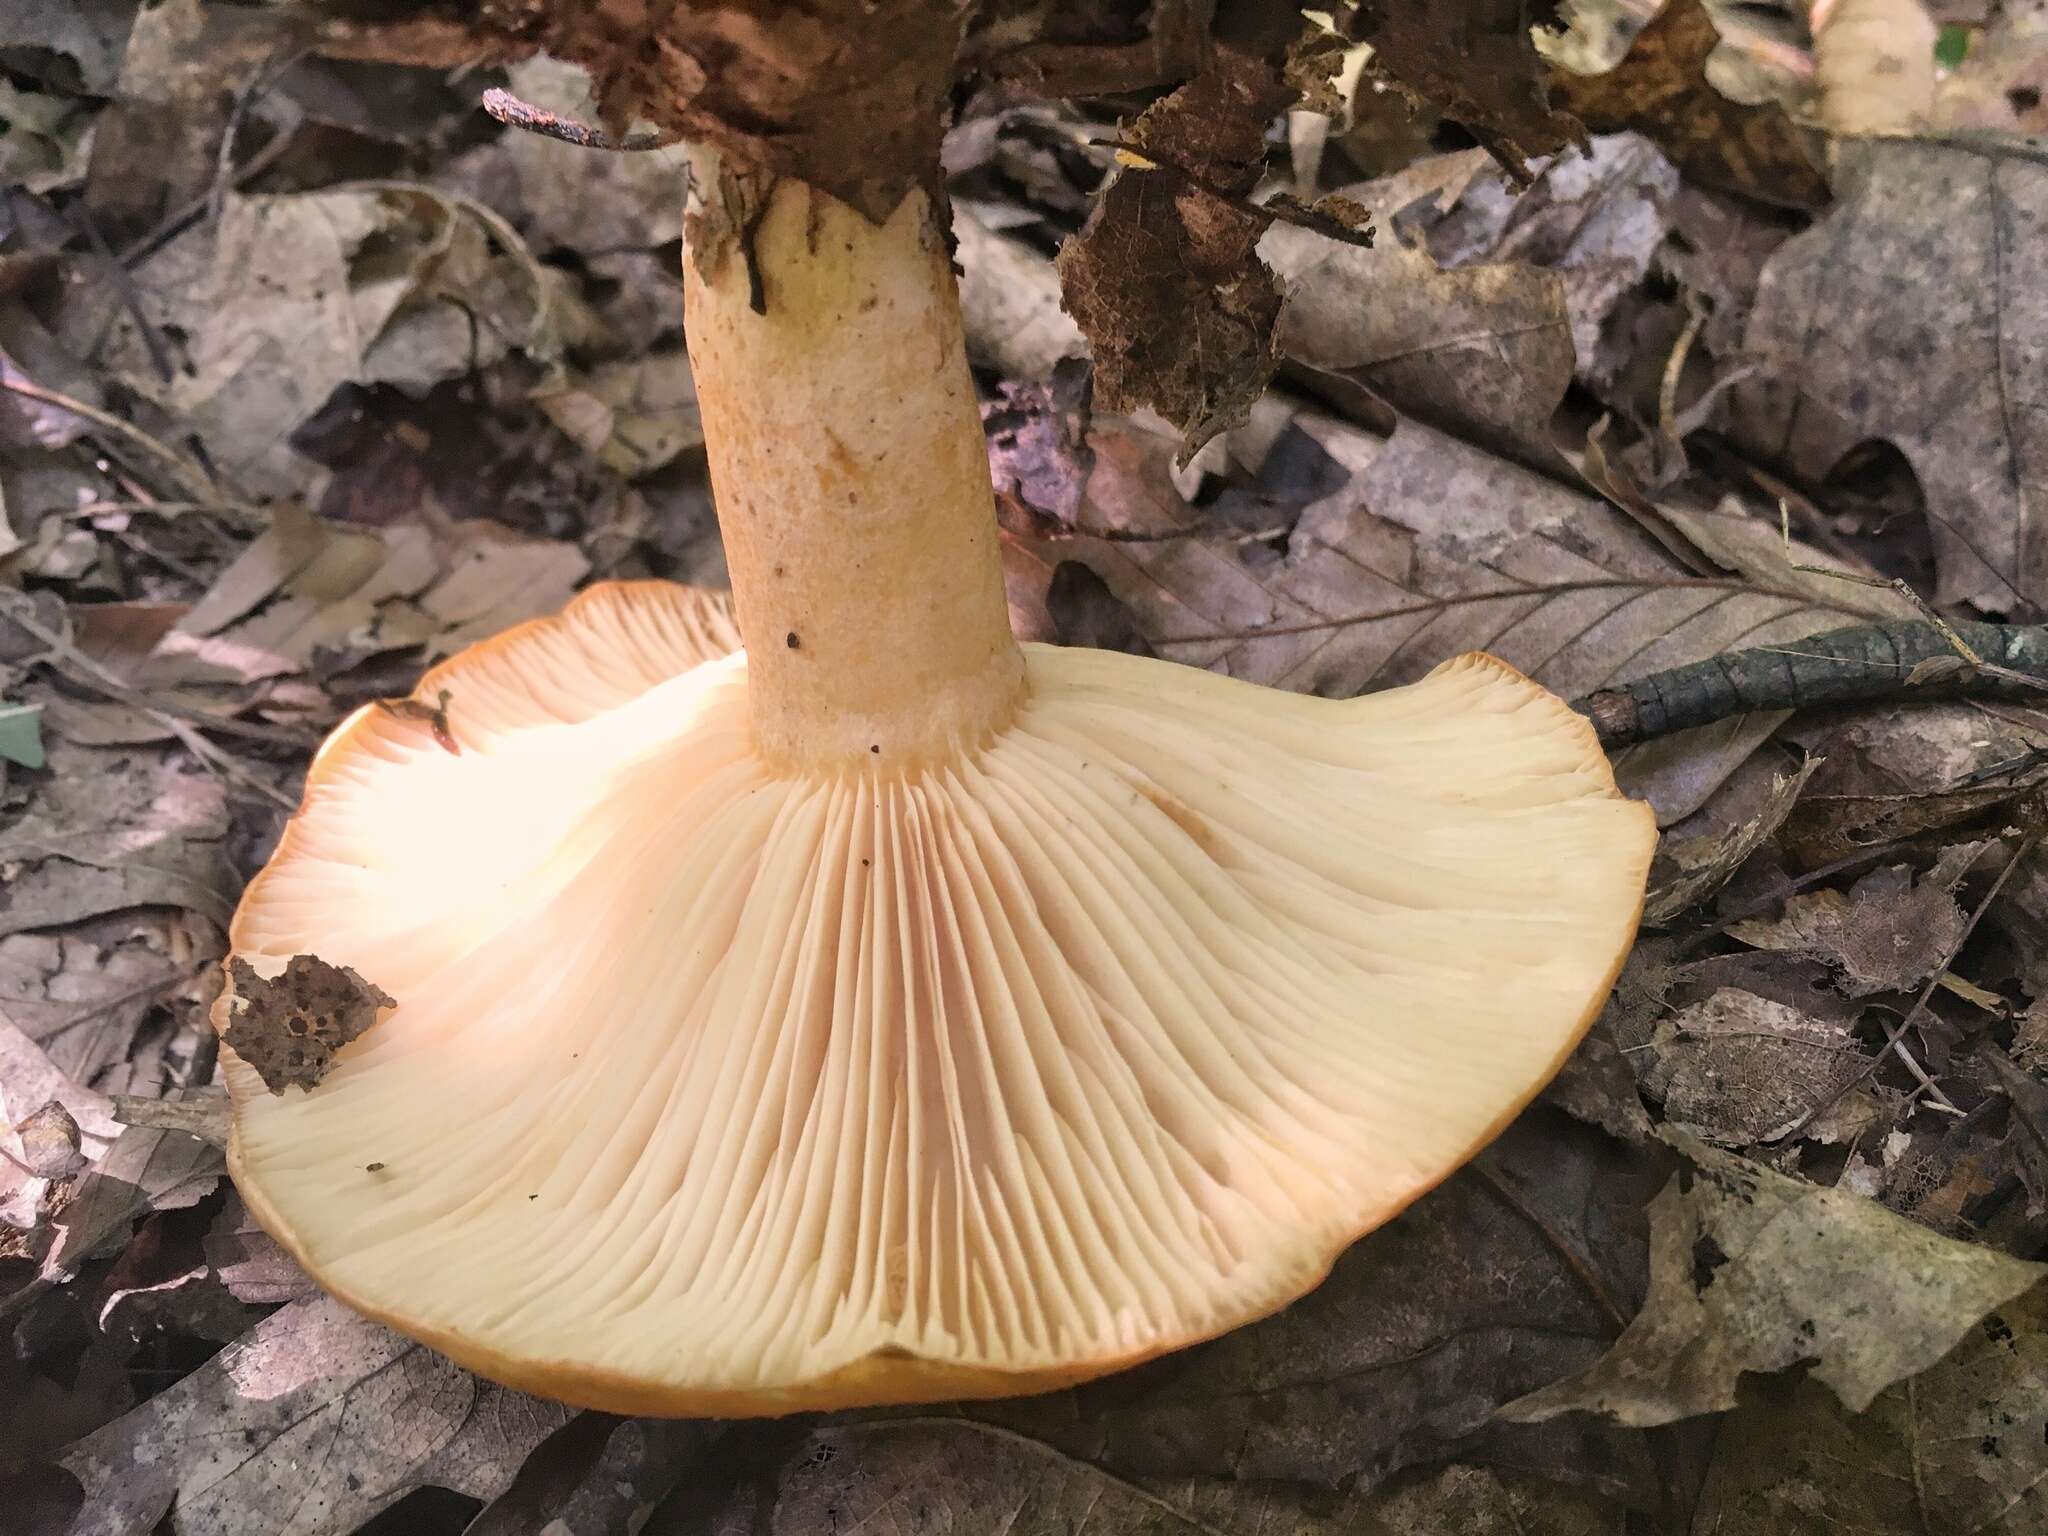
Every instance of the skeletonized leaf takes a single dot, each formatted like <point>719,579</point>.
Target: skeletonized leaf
<point>1888,933</point>
<point>1739,1069</point>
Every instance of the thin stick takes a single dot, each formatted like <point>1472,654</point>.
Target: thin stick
<point>195,481</point>
<point>514,113</point>
<point>207,753</point>
<point>1674,368</point>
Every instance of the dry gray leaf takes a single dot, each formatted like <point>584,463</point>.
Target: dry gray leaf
<point>251,1263</point>
<point>143,1171</point>
<point>931,1476</point>
<point>1484,352</point>
<point>292,295</point>
<point>88,36</point>
<point>1959,1447</point>
<point>310,1424</point>
<point>112,830</point>
<point>1888,933</point>
<point>1739,1069</point>
<point>1690,870</point>
<point>562,1490</point>
<point>633,417</point>
<point>1753,1271</point>
<point>1910,315</point>
<point>29,1078</point>
<point>84,991</point>
<point>1010,302</point>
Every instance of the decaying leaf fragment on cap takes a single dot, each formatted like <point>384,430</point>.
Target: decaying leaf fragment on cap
<point>289,1026</point>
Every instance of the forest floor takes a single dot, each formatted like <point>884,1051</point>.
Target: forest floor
<point>311,374</point>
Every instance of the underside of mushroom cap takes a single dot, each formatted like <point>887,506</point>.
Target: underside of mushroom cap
<point>716,1089</point>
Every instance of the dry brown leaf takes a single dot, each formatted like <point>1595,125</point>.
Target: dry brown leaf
<point>2026,1136</point>
<point>1661,89</point>
<point>289,1026</point>
<point>1910,316</point>
<point>180,71</point>
<point>1477,65</point>
<point>311,590</point>
<point>632,417</point>
<point>1897,772</point>
<point>1162,279</point>
<point>50,1143</point>
<point>1754,1271</point>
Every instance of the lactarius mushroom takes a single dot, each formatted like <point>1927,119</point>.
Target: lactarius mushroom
<point>890,1011</point>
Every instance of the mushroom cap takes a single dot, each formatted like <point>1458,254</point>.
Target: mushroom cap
<point>716,1089</point>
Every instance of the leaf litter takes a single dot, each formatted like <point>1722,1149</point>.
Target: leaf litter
<point>315,375</point>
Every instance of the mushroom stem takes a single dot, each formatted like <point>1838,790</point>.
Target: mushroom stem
<point>851,474</point>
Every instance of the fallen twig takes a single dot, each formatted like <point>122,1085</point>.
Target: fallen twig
<point>192,480</point>
<point>513,112</point>
<point>1870,663</point>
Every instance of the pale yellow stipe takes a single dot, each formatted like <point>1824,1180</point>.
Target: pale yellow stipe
<point>718,1088</point>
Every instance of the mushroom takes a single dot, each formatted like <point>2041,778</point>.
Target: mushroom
<point>888,1011</point>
